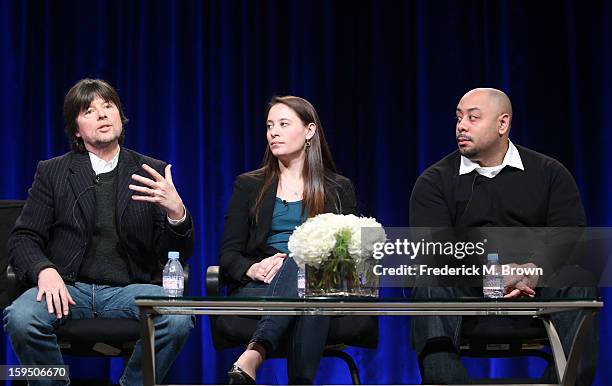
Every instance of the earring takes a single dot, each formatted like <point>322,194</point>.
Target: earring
<point>307,144</point>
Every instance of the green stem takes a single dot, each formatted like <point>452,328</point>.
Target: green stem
<point>337,271</point>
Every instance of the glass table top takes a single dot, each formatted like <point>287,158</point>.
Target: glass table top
<point>355,299</point>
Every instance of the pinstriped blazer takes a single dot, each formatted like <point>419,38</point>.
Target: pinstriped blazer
<point>57,221</point>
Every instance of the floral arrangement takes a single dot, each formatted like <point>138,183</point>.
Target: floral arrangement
<point>335,249</point>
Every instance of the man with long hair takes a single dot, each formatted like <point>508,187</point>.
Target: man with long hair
<point>99,221</point>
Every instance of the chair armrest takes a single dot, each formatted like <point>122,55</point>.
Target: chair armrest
<point>213,280</point>
<point>13,286</point>
<point>186,282</point>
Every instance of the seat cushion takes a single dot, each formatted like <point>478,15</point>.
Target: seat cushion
<point>232,331</point>
<point>502,328</point>
<point>358,331</point>
<point>99,330</point>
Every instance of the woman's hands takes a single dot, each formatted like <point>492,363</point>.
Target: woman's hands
<point>266,269</point>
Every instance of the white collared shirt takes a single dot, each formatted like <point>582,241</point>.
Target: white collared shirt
<point>512,158</point>
<point>100,166</point>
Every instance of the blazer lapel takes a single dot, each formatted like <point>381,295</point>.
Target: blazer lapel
<point>127,166</point>
<point>82,182</point>
<point>265,212</point>
<point>333,202</point>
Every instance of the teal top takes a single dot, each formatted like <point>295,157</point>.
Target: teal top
<point>285,218</point>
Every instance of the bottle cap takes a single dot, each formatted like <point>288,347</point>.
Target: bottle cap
<point>173,255</point>
<point>492,257</point>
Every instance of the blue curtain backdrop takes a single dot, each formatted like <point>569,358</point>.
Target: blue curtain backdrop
<point>385,76</point>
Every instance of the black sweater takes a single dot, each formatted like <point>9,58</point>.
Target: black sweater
<point>543,195</point>
<point>104,262</point>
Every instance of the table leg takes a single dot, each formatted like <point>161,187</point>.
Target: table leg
<point>575,353</point>
<point>555,346</point>
<point>147,340</point>
<point>567,367</point>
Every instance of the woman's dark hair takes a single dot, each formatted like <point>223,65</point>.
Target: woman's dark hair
<point>318,167</point>
<point>79,98</point>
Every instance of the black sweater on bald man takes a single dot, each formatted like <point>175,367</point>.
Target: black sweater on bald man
<point>544,194</point>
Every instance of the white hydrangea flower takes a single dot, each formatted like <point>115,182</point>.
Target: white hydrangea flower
<point>313,241</point>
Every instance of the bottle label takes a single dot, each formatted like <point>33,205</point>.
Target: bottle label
<point>173,283</point>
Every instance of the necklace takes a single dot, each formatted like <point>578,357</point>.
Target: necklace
<point>295,193</point>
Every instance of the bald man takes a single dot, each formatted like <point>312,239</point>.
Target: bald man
<point>490,182</point>
<point>483,123</point>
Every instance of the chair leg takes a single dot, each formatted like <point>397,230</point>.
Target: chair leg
<point>336,353</point>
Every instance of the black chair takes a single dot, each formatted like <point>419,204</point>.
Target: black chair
<point>86,337</point>
<point>9,211</point>
<point>516,336</point>
<point>504,337</point>
<point>231,331</point>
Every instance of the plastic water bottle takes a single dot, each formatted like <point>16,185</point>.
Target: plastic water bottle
<point>493,283</point>
<point>301,282</point>
<point>173,277</point>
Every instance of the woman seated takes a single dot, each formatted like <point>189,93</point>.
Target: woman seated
<point>298,180</point>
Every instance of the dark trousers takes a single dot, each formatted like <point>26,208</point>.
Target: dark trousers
<point>426,330</point>
<point>306,334</point>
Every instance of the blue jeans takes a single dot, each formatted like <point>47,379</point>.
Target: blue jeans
<point>30,327</point>
<point>307,334</point>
